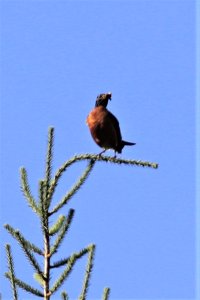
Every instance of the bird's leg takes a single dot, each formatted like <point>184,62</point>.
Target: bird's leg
<point>102,152</point>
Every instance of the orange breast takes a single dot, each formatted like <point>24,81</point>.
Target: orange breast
<point>102,128</point>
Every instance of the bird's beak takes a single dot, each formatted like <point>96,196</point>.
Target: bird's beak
<point>110,95</point>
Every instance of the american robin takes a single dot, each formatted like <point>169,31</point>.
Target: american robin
<point>104,126</point>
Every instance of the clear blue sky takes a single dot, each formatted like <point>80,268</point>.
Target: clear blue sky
<point>56,56</point>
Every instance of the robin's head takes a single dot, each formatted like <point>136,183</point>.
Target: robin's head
<point>102,99</point>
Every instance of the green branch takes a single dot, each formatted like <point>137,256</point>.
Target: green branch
<point>27,192</point>
<point>49,161</point>
<point>70,263</point>
<point>25,247</point>
<point>19,237</point>
<point>93,159</point>
<point>63,232</point>
<point>65,274</point>
<point>43,206</point>
<point>96,157</point>
<point>25,286</point>
<point>39,279</point>
<point>57,226</point>
<point>64,296</point>
<point>88,272</point>
<point>106,294</point>
<point>73,190</point>
<point>12,272</point>
<point>64,261</point>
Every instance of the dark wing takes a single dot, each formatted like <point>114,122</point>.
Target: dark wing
<point>115,124</point>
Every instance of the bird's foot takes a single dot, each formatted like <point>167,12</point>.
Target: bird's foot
<point>101,152</point>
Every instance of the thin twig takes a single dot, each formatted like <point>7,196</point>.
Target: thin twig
<point>25,286</point>
<point>106,294</point>
<point>12,272</point>
<point>88,272</point>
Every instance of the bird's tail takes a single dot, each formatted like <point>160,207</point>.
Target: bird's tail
<point>124,143</point>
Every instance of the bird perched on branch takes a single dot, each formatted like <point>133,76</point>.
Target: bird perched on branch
<point>104,126</point>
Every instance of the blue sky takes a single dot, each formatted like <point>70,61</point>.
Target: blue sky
<point>56,57</point>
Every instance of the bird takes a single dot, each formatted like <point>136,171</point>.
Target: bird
<point>104,126</point>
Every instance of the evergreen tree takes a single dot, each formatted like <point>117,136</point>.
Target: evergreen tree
<point>59,229</point>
